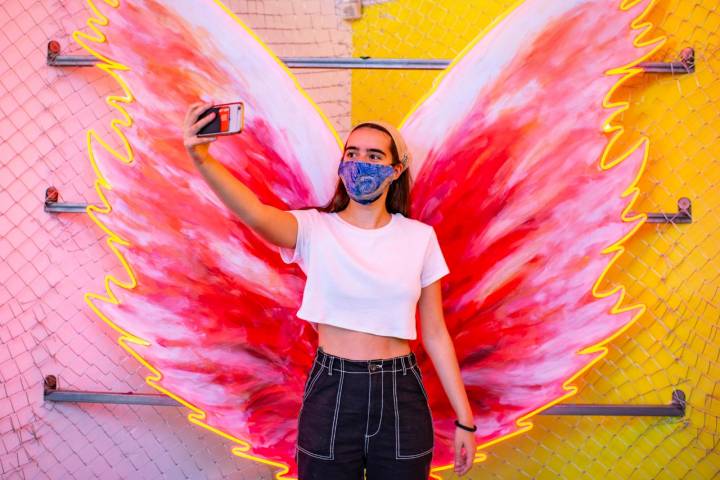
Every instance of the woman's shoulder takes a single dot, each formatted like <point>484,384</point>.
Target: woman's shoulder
<point>308,211</point>
<point>416,225</point>
<point>413,221</point>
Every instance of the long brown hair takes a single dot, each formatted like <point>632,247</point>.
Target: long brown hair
<point>398,197</point>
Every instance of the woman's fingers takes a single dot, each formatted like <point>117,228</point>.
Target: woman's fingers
<point>469,457</point>
<point>194,141</point>
<point>194,112</point>
<point>200,141</point>
<point>459,459</point>
<point>464,462</point>
<point>201,123</point>
<point>190,115</point>
<point>191,126</point>
<point>464,453</point>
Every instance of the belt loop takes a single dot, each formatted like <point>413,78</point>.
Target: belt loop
<point>402,360</point>
<point>330,367</point>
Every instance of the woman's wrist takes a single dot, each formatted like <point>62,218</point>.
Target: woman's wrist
<point>468,427</point>
<point>199,160</point>
<point>466,418</point>
<point>200,154</point>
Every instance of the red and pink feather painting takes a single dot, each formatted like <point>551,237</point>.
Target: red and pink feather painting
<point>511,167</point>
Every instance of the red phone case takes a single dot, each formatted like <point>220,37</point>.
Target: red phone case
<point>221,123</point>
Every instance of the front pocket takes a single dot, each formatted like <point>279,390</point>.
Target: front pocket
<point>414,433</point>
<point>315,372</point>
<point>317,422</point>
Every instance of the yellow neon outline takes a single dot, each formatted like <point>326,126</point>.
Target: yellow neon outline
<point>523,423</point>
<point>198,415</point>
<point>114,240</point>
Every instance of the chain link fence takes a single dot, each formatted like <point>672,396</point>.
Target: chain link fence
<point>49,260</point>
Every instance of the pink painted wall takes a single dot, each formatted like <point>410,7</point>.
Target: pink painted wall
<point>47,261</point>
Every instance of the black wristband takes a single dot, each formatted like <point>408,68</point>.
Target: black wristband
<point>469,429</point>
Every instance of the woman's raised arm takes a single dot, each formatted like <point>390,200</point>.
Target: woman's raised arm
<point>278,227</point>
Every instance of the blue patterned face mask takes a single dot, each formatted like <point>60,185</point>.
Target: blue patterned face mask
<point>365,181</point>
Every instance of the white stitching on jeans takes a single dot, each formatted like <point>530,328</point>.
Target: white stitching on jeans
<point>334,426</point>
<point>397,418</point>
<point>397,423</point>
<point>382,401</point>
<point>312,382</point>
<point>337,410</point>
<point>322,457</point>
<point>308,387</point>
<point>422,387</point>
<point>367,422</point>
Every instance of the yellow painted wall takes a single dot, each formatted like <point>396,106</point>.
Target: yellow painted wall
<point>411,29</point>
<point>673,269</point>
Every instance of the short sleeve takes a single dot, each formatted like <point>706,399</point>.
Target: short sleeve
<point>299,254</point>
<point>434,266</point>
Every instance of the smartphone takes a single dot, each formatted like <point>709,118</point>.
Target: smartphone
<point>228,120</point>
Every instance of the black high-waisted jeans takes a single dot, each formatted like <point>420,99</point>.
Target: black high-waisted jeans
<point>364,414</point>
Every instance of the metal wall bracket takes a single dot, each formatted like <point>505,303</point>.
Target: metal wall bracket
<point>349,9</point>
<point>54,58</point>
<point>686,64</point>
<point>683,215</point>
<point>52,394</point>
<point>675,409</point>
<point>53,206</point>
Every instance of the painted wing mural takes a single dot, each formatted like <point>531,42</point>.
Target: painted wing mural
<point>510,168</point>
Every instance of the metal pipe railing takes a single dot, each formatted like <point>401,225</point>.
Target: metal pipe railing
<point>683,215</point>
<point>676,408</point>
<point>685,65</point>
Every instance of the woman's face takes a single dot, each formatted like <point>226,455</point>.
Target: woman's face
<point>372,146</point>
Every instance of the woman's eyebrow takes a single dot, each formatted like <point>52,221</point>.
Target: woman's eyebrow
<point>376,150</point>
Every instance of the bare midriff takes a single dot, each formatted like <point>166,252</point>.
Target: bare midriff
<point>355,345</point>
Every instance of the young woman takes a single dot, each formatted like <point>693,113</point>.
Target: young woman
<point>368,267</point>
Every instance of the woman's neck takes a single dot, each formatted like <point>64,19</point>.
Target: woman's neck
<point>374,215</point>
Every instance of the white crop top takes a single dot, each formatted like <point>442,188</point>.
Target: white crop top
<point>367,280</point>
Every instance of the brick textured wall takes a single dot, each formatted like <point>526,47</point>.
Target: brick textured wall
<point>306,28</point>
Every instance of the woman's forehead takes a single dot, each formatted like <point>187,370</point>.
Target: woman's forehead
<point>366,138</point>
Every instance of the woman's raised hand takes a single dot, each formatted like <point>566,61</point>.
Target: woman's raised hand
<point>197,147</point>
